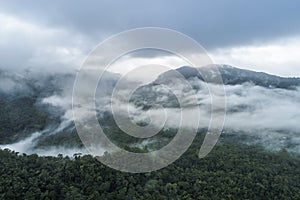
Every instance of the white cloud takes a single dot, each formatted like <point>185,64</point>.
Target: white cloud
<point>24,44</point>
<point>144,68</point>
<point>280,57</point>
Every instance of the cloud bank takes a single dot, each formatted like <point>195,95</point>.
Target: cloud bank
<point>263,36</point>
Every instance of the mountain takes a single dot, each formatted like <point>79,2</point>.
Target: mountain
<point>232,76</point>
<point>35,102</point>
<point>21,108</point>
<point>150,95</point>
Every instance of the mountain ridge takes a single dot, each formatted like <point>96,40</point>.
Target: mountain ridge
<point>233,75</point>
<point>40,103</point>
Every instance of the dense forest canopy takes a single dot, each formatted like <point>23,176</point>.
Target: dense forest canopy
<point>230,171</point>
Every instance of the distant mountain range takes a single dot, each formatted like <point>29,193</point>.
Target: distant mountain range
<point>32,102</point>
<point>232,76</point>
<point>146,95</point>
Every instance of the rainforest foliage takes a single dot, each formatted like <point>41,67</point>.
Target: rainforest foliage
<point>230,171</point>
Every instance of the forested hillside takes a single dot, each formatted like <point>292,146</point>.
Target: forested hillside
<point>230,171</point>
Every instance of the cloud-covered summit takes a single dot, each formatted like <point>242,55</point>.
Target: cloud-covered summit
<point>258,110</point>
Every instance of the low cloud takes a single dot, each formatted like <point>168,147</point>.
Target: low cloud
<point>269,117</point>
<point>266,116</point>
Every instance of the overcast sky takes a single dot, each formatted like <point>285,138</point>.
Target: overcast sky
<point>258,35</point>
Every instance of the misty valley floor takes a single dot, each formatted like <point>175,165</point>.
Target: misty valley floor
<point>230,171</point>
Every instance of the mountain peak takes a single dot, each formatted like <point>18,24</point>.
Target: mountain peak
<point>231,76</point>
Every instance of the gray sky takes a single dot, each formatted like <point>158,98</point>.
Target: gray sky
<point>258,35</point>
